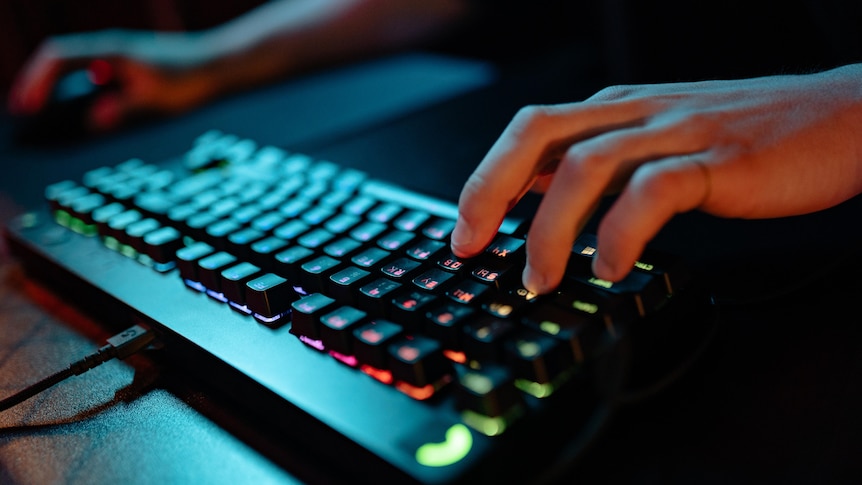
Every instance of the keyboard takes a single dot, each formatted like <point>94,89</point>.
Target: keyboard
<point>326,301</point>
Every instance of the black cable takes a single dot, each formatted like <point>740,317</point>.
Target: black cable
<point>119,346</point>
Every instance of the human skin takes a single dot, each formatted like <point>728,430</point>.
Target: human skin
<point>755,148</point>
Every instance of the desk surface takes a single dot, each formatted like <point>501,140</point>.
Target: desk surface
<point>775,399</point>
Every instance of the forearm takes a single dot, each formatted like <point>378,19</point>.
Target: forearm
<point>287,37</point>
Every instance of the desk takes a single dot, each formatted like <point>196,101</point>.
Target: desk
<point>775,398</point>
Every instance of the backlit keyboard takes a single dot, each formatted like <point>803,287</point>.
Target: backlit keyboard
<point>329,300</point>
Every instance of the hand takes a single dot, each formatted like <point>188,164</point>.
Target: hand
<point>757,148</point>
<point>153,72</point>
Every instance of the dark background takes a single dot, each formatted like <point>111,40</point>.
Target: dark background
<point>774,400</point>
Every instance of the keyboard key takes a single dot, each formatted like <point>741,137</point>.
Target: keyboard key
<point>314,274</point>
<point>409,308</point>
<point>418,361</point>
<point>162,244</point>
<point>345,283</point>
<point>505,248</point>
<point>233,281</point>
<point>537,357</point>
<point>372,340</point>
<point>336,328</point>
<point>374,297</point>
<point>268,296</point>
<point>445,323</point>
<point>489,391</point>
<point>188,256</point>
<point>210,268</point>
<point>306,312</point>
<point>484,339</point>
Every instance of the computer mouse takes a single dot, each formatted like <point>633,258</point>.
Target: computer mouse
<point>64,116</point>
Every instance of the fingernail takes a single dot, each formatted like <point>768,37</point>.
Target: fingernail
<point>534,281</point>
<point>462,235</point>
<point>603,269</point>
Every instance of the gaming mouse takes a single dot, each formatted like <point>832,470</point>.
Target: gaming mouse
<point>63,118</point>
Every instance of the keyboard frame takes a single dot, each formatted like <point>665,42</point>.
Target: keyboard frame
<point>308,395</point>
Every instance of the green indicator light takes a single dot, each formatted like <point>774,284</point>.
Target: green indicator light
<point>128,251</point>
<point>62,217</point>
<point>585,307</point>
<point>487,425</point>
<point>78,225</point>
<point>549,327</point>
<point>601,282</point>
<point>112,243</point>
<point>458,442</point>
<point>534,388</point>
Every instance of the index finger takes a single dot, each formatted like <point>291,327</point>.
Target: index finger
<point>536,137</point>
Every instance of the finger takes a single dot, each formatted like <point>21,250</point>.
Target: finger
<point>656,192</point>
<point>590,170</point>
<point>535,138</point>
<point>34,84</point>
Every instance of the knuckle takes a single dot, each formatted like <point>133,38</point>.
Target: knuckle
<point>531,117</point>
<point>612,93</point>
<point>651,182</point>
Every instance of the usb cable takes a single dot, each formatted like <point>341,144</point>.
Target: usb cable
<point>119,346</point>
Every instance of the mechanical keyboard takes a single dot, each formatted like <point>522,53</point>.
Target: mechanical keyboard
<point>328,301</point>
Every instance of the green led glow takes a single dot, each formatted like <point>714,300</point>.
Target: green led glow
<point>128,251</point>
<point>486,425</point>
<point>478,383</point>
<point>112,243</point>
<point>585,307</point>
<point>62,217</point>
<point>81,227</point>
<point>601,282</point>
<point>550,327</point>
<point>145,260</point>
<point>458,442</point>
<point>534,388</point>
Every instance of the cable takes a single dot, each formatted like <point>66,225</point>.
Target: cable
<point>122,345</point>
